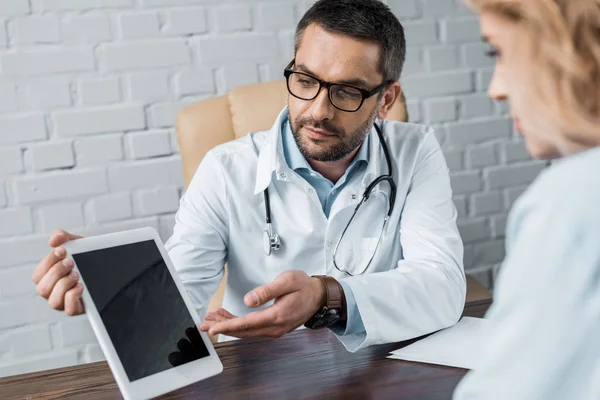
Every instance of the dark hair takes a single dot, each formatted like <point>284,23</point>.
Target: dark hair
<point>368,20</point>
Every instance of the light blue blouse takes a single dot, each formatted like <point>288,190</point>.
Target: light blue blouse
<point>544,334</point>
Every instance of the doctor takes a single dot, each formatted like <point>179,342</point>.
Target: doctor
<point>332,218</point>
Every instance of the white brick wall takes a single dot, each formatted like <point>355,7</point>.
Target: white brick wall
<point>89,91</point>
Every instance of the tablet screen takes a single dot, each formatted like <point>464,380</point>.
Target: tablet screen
<point>141,308</point>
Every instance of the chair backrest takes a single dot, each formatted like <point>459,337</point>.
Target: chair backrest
<point>252,108</point>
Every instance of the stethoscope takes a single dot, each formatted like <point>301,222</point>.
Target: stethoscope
<point>272,241</point>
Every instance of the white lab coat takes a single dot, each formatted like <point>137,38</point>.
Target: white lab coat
<point>415,284</point>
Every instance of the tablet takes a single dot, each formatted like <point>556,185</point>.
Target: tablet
<point>141,314</point>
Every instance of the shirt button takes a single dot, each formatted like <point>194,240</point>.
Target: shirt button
<point>311,190</point>
<point>329,244</point>
<point>353,197</point>
<point>282,175</point>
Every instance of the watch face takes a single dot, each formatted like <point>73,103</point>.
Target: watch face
<point>324,319</point>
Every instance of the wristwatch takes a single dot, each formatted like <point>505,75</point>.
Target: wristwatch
<point>334,310</point>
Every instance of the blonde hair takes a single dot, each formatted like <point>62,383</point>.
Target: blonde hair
<point>562,38</point>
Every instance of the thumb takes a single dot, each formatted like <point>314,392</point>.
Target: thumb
<point>282,285</point>
<point>60,237</point>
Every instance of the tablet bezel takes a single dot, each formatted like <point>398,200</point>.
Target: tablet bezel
<point>161,382</point>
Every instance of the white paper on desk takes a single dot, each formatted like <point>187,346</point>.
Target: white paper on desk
<point>458,346</point>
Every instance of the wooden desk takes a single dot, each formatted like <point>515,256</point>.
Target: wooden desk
<point>303,364</point>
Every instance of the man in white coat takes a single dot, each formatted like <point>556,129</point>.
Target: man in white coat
<point>278,207</point>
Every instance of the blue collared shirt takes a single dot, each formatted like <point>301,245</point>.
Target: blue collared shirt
<point>328,192</point>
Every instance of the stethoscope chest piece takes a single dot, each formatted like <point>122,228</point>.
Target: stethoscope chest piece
<point>270,242</point>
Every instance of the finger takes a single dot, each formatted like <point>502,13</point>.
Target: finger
<point>73,301</point>
<point>64,284</point>
<point>60,237</point>
<point>250,322</point>
<point>54,274</point>
<point>285,283</point>
<point>56,255</point>
<point>216,316</point>
<point>223,312</point>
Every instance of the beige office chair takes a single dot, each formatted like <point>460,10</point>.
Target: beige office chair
<point>208,123</point>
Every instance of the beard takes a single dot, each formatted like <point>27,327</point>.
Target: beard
<point>325,152</point>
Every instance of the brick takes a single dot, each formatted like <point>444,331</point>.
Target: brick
<point>476,105</point>
<point>22,128</point>
<point>150,54</point>
<point>11,160</point>
<point>14,7</point>
<point>165,226</point>
<point>491,252</point>
<point>48,61</point>
<point>276,16</point>
<point>475,230</point>
<point>232,76</point>
<point>156,201</point>
<point>475,55</point>
<point>146,174</point>
<point>139,25</point>
<point>287,43</point>
<point>153,3</point>
<point>27,340</point>
<point>37,29</point>
<point>64,215</point>
<point>16,221</point>
<point>499,226</point>
<point>460,202</point>
<point>475,132</point>
<point>51,92</point>
<point>3,34</point>
<point>484,77</point>
<point>403,9</point>
<point>93,353</point>
<point>414,111</point>
<point>441,84</point>
<point>51,155</point>
<point>98,150</point>
<point>217,51</point>
<point>514,152</point>
<point>190,81</point>
<point>19,251</point>
<point>465,182</point>
<point>232,18</point>
<point>100,90</point>
<point>52,360</point>
<point>91,29</point>
<point>461,30</point>
<point>65,5</point>
<point>174,143</point>
<point>512,195</point>
<point>442,58</point>
<point>486,203</point>
<point>112,227</point>
<point>148,87</point>
<point>421,32</point>
<point>513,175</point>
<point>12,282</point>
<point>163,115</point>
<point>454,159</point>
<point>437,8</point>
<point>112,207</point>
<point>185,21</point>
<point>413,65</point>
<point>3,198</point>
<point>149,144</point>
<point>60,185</point>
<point>440,133</point>
<point>8,96</point>
<point>440,110</point>
<point>99,120</point>
<point>481,156</point>
<point>75,331</point>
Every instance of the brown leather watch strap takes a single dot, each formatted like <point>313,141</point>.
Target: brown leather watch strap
<point>334,295</point>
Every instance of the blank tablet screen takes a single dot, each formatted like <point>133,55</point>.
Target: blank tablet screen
<point>142,310</point>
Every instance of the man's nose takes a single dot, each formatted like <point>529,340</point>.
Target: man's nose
<point>321,107</point>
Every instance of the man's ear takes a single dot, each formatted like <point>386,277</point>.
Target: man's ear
<point>390,95</point>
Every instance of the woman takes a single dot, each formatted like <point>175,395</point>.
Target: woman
<point>544,338</point>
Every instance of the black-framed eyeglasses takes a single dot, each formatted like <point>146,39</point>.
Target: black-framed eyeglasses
<point>343,97</point>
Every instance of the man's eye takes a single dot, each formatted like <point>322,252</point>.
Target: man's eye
<point>306,82</point>
<point>492,53</point>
